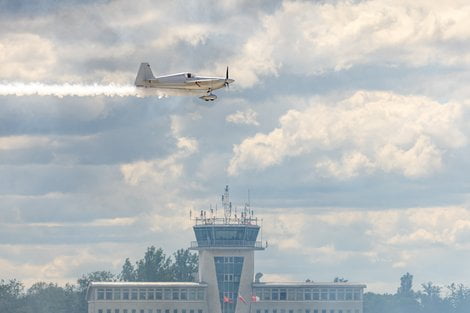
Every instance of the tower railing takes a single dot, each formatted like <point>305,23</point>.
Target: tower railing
<point>227,243</point>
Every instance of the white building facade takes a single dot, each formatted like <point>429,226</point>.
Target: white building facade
<point>225,282</point>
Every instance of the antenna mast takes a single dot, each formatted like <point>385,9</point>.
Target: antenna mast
<point>227,204</point>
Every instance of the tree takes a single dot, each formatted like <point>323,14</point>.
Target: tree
<point>86,279</point>
<point>406,301</point>
<point>406,285</point>
<point>430,299</point>
<point>128,272</point>
<point>46,298</point>
<point>459,298</point>
<point>155,266</point>
<point>11,296</point>
<point>185,265</point>
<point>340,280</point>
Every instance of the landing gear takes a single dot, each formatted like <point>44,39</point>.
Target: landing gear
<point>209,97</point>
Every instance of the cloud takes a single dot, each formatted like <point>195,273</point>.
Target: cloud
<point>26,56</point>
<point>369,131</point>
<point>311,38</point>
<point>247,117</point>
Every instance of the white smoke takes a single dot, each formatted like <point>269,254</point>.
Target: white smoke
<point>81,90</point>
<point>62,90</point>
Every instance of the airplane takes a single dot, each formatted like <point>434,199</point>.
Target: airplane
<point>182,81</point>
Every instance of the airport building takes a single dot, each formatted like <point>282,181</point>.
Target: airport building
<point>226,282</point>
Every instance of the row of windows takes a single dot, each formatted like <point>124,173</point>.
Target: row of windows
<point>148,311</point>
<point>150,294</point>
<point>309,311</point>
<point>309,294</point>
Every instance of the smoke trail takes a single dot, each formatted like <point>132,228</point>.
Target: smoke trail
<point>80,90</point>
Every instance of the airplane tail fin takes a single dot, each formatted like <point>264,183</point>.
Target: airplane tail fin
<point>144,74</point>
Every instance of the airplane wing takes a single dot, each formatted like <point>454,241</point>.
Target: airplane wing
<point>198,82</point>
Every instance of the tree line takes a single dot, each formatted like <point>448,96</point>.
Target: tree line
<point>43,297</point>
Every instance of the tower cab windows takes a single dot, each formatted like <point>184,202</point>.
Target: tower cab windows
<point>189,75</point>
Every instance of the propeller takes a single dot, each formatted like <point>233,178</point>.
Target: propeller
<point>227,80</point>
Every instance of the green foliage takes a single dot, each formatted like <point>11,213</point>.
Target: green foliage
<point>156,266</point>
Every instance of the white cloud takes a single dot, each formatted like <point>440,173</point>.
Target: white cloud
<point>308,37</point>
<point>364,133</point>
<point>26,56</point>
<point>247,117</point>
<point>24,142</point>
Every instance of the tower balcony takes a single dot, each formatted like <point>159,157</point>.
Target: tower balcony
<point>227,244</point>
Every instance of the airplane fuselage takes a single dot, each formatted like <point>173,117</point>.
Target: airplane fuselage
<point>181,81</point>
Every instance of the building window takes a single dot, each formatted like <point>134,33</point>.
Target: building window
<point>117,294</point>
<point>175,311</point>
<point>176,294</point>
<point>266,311</point>
<point>275,294</point>
<point>357,294</point>
<point>143,295</point>
<point>315,311</point>
<point>142,311</point>
<point>332,294</point>
<point>150,294</point>
<point>100,311</point>
<point>282,294</point>
<point>167,294</point>
<point>125,294</point>
<point>299,294</point>
<point>349,294</point>
<point>332,311</point>
<point>133,311</point>
<point>183,311</point>
<point>116,311</point>
<point>324,295</point>
<point>192,294</point>
<point>307,311</point>
<point>291,311</point>
<point>167,311</point>
<point>191,311</point>
<point>124,311</point>
<point>291,294</point>
<point>100,294</point>
<point>340,294</point>
<point>109,294</point>
<point>134,293</point>
<point>199,311</point>
<point>184,294</point>
<point>323,311</point>
<point>308,294</point>
<point>283,310</point>
<point>108,311</point>
<point>266,294</point>
<point>316,294</point>
<point>158,294</point>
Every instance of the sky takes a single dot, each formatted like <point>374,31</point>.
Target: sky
<point>347,123</point>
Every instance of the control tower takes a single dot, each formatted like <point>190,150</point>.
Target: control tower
<point>226,248</point>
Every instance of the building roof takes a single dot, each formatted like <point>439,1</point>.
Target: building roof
<point>309,284</point>
<point>147,284</point>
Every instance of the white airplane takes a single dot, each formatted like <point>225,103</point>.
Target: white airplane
<point>182,81</point>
